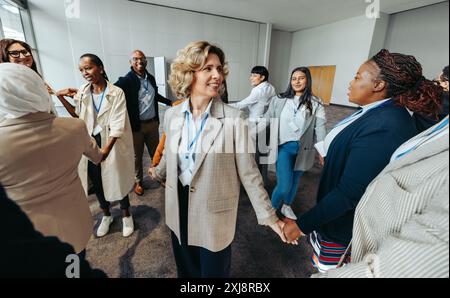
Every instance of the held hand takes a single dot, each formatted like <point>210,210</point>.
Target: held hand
<point>291,231</point>
<point>152,173</point>
<point>321,160</point>
<point>69,92</point>
<point>278,228</point>
<point>105,153</point>
<point>50,90</point>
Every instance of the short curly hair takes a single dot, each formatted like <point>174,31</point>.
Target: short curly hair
<point>189,60</point>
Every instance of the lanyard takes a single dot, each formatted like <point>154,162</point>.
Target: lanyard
<point>296,109</point>
<point>426,138</point>
<point>101,101</point>
<point>146,84</point>
<point>199,132</point>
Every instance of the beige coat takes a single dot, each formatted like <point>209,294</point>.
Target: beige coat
<point>215,187</point>
<point>118,168</point>
<point>39,157</point>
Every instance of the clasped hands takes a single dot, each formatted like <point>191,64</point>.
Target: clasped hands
<point>288,230</point>
<point>69,92</point>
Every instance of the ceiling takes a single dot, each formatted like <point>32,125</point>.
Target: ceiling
<point>291,15</point>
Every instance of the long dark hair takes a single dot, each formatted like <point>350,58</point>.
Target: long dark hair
<point>406,84</point>
<point>306,98</point>
<point>98,62</point>
<point>4,56</point>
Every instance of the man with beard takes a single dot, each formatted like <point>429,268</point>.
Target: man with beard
<point>142,98</point>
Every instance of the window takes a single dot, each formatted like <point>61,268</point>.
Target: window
<point>11,21</point>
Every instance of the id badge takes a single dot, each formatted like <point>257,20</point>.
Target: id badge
<point>293,126</point>
<point>185,177</point>
<point>98,129</point>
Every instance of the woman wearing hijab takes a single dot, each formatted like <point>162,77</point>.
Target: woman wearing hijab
<point>39,154</point>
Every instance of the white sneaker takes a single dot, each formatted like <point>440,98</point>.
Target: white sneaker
<point>288,212</point>
<point>103,229</point>
<point>128,226</point>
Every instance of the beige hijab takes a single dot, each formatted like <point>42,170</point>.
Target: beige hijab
<point>22,91</point>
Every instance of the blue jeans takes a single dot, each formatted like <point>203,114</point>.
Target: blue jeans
<point>287,178</point>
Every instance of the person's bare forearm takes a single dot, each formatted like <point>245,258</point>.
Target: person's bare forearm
<point>107,149</point>
<point>70,108</point>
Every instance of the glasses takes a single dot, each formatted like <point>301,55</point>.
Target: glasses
<point>139,59</point>
<point>16,54</point>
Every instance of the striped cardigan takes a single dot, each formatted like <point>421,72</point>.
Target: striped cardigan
<point>401,226</point>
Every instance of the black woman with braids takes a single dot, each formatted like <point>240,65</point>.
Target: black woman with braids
<point>360,146</point>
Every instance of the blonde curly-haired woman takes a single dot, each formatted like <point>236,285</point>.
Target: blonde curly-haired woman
<point>205,160</point>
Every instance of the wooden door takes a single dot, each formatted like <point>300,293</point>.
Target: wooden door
<point>323,81</point>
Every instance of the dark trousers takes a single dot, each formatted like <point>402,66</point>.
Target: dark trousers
<point>82,255</point>
<point>193,261</point>
<point>263,168</point>
<point>95,175</point>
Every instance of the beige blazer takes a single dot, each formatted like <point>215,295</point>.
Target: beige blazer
<point>118,168</point>
<point>215,187</point>
<point>39,156</point>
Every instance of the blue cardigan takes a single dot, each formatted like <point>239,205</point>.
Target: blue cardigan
<point>355,157</point>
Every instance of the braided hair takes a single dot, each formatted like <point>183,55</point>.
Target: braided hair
<point>98,62</point>
<point>406,84</point>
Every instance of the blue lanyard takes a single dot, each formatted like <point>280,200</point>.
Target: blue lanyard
<point>199,132</point>
<point>146,84</point>
<point>101,101</point>
<point>352,116</point>
<point>427,137</point>
<point>296,109</point>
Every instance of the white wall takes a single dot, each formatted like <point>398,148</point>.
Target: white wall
<point>424,33</point>
<point>113,28</point>
<point>280,54</point>
<point>379,35</point>
<point>345,44</point>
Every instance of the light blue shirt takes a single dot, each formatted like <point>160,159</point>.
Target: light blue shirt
<point>192,129</point>
<point>146,99</point>
<point>438,131</point>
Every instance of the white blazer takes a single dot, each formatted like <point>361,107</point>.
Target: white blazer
<point>118,168</point>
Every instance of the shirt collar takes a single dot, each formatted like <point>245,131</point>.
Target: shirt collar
<point>374,104</point>
<point>187,109</point>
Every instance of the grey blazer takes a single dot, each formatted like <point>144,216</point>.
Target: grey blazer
<point>401,226</point>
<point>215,186</point>
<point>314,133</point>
